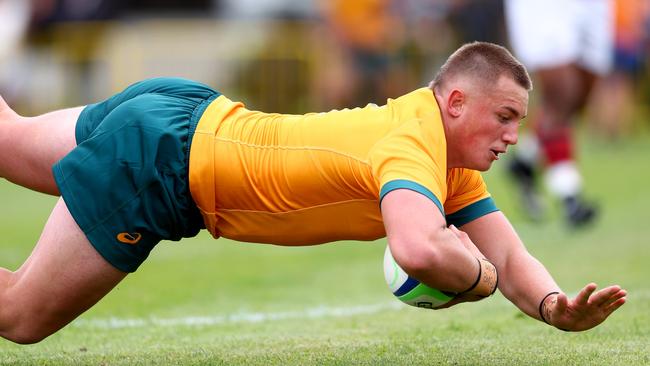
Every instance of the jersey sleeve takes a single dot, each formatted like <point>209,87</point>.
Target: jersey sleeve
<point>467,198</point>
<point>410,158</point>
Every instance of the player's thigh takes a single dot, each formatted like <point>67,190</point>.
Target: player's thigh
<point>562,91</point>
<point>597,35</point>
<point>29,146</point>
<point>543,34</point>
<point>126,184</point>
<point>63,277</point>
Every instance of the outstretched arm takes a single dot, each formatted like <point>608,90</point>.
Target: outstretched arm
<point>526,282</point>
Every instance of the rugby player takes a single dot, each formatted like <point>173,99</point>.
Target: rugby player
<point>568,46</point>
<point>168,157</point>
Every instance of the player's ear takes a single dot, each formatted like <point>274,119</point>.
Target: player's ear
<point>455,103</point>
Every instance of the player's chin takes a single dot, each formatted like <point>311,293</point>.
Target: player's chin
<point>480,163</point>
<point>483,165</point>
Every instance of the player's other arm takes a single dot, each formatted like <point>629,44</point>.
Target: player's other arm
<point>425,248</point>
<point>526,282</point>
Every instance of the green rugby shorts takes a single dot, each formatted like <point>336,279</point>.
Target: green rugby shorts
<point>126,182</point>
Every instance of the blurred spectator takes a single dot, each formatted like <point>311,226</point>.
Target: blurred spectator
<point>566,45</point>
<point>478,20</point>
<point>49,11</point>
<point>265,9</point>
<point>73,30</point>
<point>428,37</point>
<point>616,99</point>
<point>363,57</point>
<point>276,72</point>
<point>14,21</point>
<point>156,6</point>
<point>53,11</point>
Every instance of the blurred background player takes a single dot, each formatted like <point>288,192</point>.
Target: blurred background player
<point>567,45</point>
<point>366,63</point>
<point>617,98</point>
<point>478,20</point>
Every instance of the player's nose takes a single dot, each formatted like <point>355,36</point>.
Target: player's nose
<point>511,135</point>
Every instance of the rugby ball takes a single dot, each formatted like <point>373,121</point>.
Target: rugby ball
<point>409,290</point>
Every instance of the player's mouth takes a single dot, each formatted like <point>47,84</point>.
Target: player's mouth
<point>495,153</point>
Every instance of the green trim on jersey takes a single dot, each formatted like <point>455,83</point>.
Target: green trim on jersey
<point>412,186</point>
<point>472,212</point>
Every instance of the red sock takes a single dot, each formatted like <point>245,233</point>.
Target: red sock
<point>556,144</point>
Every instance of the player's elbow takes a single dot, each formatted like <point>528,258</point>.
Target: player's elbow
<point>416,260</point>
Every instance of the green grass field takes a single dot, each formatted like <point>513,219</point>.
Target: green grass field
<point>219,302</point>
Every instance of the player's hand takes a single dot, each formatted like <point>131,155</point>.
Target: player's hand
<point>588,309</point>
<point>460,299</point>
<point>469,245</point>
<point>467,242</point>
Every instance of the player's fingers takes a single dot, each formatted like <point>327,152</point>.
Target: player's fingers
<point>458,233</point>
<point>466,241</point>
<point>615,297</point>
<point>615,305</point>
<point>449,304</point>
<point>583,297</point>
<point>603,296</point>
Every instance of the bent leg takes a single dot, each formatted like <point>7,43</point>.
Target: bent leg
<point>63,277</point>
<point>29,146</point>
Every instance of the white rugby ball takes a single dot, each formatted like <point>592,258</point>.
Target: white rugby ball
<point>408,289</point>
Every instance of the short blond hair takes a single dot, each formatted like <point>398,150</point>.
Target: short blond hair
<point>485,62</point>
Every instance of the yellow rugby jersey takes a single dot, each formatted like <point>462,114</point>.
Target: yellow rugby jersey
<point>319,177</point>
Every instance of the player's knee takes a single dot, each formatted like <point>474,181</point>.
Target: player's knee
<point>25,336</point>
<point>25,329</point>
<point>21,325</point>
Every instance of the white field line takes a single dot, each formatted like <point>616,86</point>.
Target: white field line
<point>237,318</point>
<point>319,312</point>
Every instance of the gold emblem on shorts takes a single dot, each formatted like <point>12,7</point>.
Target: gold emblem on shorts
<point>129,238</point>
